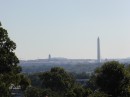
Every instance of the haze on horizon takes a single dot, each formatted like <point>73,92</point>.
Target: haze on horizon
<point>68,28</point>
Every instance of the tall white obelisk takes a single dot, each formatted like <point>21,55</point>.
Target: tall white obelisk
<point>98,50</point>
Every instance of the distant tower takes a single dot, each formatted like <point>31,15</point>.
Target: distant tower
<point>98,50</point>
<point>49,57</point>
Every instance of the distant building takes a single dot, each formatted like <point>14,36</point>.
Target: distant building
<point>98,50</point>
<point>49,57</point>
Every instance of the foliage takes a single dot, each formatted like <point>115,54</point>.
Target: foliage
<point>78,90</point>
<point>38,92</point>
<point>87,92</point>
<point>82,75</point>
<point>57,80</point>
<point>61,84</point>
<point>8,59</point>
<point>91,83</point>
<point>4,92</point>
<point>70,94</point>
<point>113,79</point>
<point>32,92</point>
<point>35,80</point>
<point>98,94</point>
<point>24,82</point>
<point>9,70</point>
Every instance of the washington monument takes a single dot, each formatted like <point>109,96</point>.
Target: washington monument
<point>98,51</point>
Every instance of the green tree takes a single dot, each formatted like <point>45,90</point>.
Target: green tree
<point>9,70</point>
<point>32,92</point>
<point>24,82</point>
<point>35,80</point>
<point>8,59</point>
<point>70,94</point>
<point>113,79</point>
<point>57,79</point>
<point>98,94</point>
<point>87,92</point>
<point>79,91</point>
<point>38,92</point>
<point>4,91</point>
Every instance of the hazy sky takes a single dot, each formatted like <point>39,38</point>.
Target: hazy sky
<point>67,28</point>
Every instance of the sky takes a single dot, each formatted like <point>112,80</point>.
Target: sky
<point>67,28</point>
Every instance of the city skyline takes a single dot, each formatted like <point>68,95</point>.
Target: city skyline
<point>67,28</point>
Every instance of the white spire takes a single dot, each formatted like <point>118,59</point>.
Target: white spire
<point>98,50</point>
